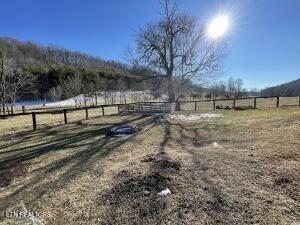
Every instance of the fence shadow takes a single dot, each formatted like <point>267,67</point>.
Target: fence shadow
<point>91,146</point>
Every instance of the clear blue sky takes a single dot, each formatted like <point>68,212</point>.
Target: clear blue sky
<point>264,37</point>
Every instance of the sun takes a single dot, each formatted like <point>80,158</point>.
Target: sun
<point>218,26</point>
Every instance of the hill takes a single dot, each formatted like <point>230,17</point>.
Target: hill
<point>287,89</point>
<point>51,65</point>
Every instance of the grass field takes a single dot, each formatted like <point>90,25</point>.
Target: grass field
<point>240,168</point>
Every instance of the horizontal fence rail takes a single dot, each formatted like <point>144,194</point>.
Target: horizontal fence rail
<point>150,107</point>
<point>234,101</point>
<point>121,108</point>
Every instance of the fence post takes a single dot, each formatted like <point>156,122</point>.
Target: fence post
<point>102,110</point>
<point>65,116</point>
<point>233,106</point>
<point>277,102</point>
<point>254,103</point>
<point>214,105</point>
<point>118,109</point>
<point>23,109</point>
<point>299,101</point>
<point>195,106</point>
<point>86,113</point>
<point>177,106</point>
<point>34,121</point>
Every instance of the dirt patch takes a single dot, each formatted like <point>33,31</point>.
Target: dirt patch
<point>149,158</point>
<point>135,197</point>
<point>7,175</point>
<point>283,180</point>
<point>130,184</point>
<point>166,164</point>
<point>162,162</point>
<point>134,200</point>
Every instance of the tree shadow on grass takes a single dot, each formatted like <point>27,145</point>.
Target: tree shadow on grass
<point>70,136</point>
<point>78,161</point>
<point>191,140</point>
<point>24,137</point>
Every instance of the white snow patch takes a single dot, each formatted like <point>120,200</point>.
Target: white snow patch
<point>67,102</point>
<point>194,117</point>
<point>116,95</point>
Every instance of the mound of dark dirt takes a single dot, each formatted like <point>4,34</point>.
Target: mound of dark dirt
<point>131,186</point>
<point>166,164</point>
<point>283,180</point>
<point>149,158</point>
<point>163,163</point>
<point>134,198</point>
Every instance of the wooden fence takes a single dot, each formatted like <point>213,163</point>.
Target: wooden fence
<point>150,107</point>
<point>63,111</point>
<point>233,103</point>
<point>138,107</point>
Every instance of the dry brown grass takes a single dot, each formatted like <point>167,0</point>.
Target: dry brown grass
<point>261,103</point>
<point>80,176</point>
<point>12,125</point>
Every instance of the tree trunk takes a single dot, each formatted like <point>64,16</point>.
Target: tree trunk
<point>12,108</point>
<point>3,99</point>
<point>170,89</point>
<point>7,109</point>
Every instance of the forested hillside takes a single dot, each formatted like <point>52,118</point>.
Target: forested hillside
<point>288,89</point>
<point>52,65</point>
<point>32,71</point>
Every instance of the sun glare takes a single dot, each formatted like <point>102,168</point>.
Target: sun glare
<point>218,26</point>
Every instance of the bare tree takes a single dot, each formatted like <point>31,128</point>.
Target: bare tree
<point>231,87</point>
<point>19,80</point>
<point>177,46</point>
<point>56,93</point>
<point>239,87</point>
<point>4,72</point>
<point>73,87</point>
<point>13,79</point>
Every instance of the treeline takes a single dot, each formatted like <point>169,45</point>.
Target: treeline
<point>233,88</point>
<point>288,90</point>
<point>31,71</point>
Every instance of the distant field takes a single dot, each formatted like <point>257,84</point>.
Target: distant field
<point>240,168</point>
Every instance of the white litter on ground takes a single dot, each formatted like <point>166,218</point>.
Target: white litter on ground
<point>194,117</point>
<point>215,144</point>
<point>165,192</point>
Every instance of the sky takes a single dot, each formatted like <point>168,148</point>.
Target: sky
<point>263,36</point>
